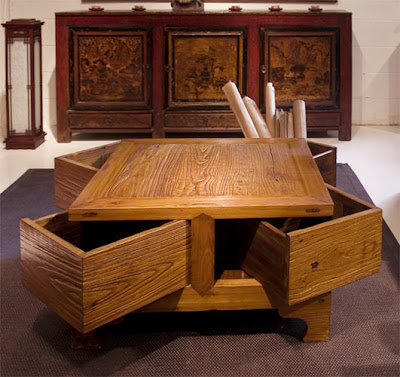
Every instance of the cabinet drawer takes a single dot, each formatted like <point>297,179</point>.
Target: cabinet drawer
<point>94,272</point>
<point>297,259</point>
<point>113,121</point>
<point>72,172</point>
<point>222,120</point>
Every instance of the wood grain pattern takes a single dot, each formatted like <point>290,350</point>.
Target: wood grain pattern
<point>51,269</point>
<point>203,253</point>
<point>223,178</point>
<point>89,289</point>
<point>325,158</point>
<point>73,172</point>
<point>336,253</point>
<point>247,294</point>
<point>316,313</point>
<point>128,274</point>
<point>227,294</point>
<point>266,260</point>
<point>319,257</point>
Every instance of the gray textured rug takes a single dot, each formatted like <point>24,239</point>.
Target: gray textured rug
<point>365,335</point>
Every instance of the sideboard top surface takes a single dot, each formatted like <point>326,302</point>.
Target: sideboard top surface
<point>158,12</point>
<point>223,178</point>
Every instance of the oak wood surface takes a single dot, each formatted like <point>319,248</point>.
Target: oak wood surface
<point>89,289</point>
<point>128,274</point>
<point>226,294</point>
<point>316,313</point>
<point>73,172</point>
<point>203,253</point>
<point>325,158</point>
<point>247,294</point>
<point>223,178</point>
<point>320,256</point>
<point>51,269</point>
<point>266,260</point>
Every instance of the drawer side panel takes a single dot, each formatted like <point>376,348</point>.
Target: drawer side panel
<point>266,260</point>
<point>70,178</point>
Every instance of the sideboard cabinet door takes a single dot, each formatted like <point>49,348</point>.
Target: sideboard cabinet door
<point>110,69</point>
<point>200,63</point>
<point>303,64</point>
<point>110,79</point>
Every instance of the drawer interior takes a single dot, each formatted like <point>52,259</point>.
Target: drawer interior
<point>93,234</point>
<point>95,157</point>
<point>343,206</point>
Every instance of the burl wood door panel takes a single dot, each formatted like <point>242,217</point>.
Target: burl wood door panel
<point>302,65</point>
<point>110,69</point>
<point>200,63</point>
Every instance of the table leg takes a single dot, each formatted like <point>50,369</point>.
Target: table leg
<point>316,313</point>
<point>84,341</point>
<point>203,254</point>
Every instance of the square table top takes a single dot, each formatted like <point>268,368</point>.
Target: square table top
<point>164,179</point>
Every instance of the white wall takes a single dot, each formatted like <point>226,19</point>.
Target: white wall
<point>376,51</point>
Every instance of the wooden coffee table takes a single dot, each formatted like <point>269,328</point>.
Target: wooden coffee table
<point>230,224</point>
<point>203,180</point>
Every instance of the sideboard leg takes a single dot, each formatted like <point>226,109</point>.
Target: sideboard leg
<point>203,255</point>
<point>316,313</point>
<point>345,133</point>
<point>63,136</point>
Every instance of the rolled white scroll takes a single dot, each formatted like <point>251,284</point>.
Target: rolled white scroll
<point>277,129</point>
<point>256,117</point>
<point>270,108</point>
<point>282,124</point>
<point>239,109</point>
<point>299,119</point>
<point>290,126</point>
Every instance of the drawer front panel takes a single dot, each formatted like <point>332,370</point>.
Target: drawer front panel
<point>98,120</point>
<point>201,120</point>
<point>323,258</point>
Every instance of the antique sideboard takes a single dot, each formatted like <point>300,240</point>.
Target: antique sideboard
<point>161,73</point>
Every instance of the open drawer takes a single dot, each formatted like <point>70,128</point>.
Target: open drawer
<point>72,172</point>
<point>94,272</point>
<point>297,259</point>
<point>325,158</point>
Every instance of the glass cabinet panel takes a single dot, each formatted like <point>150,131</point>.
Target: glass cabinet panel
<point>38,85</point>
<point>19,85</point>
